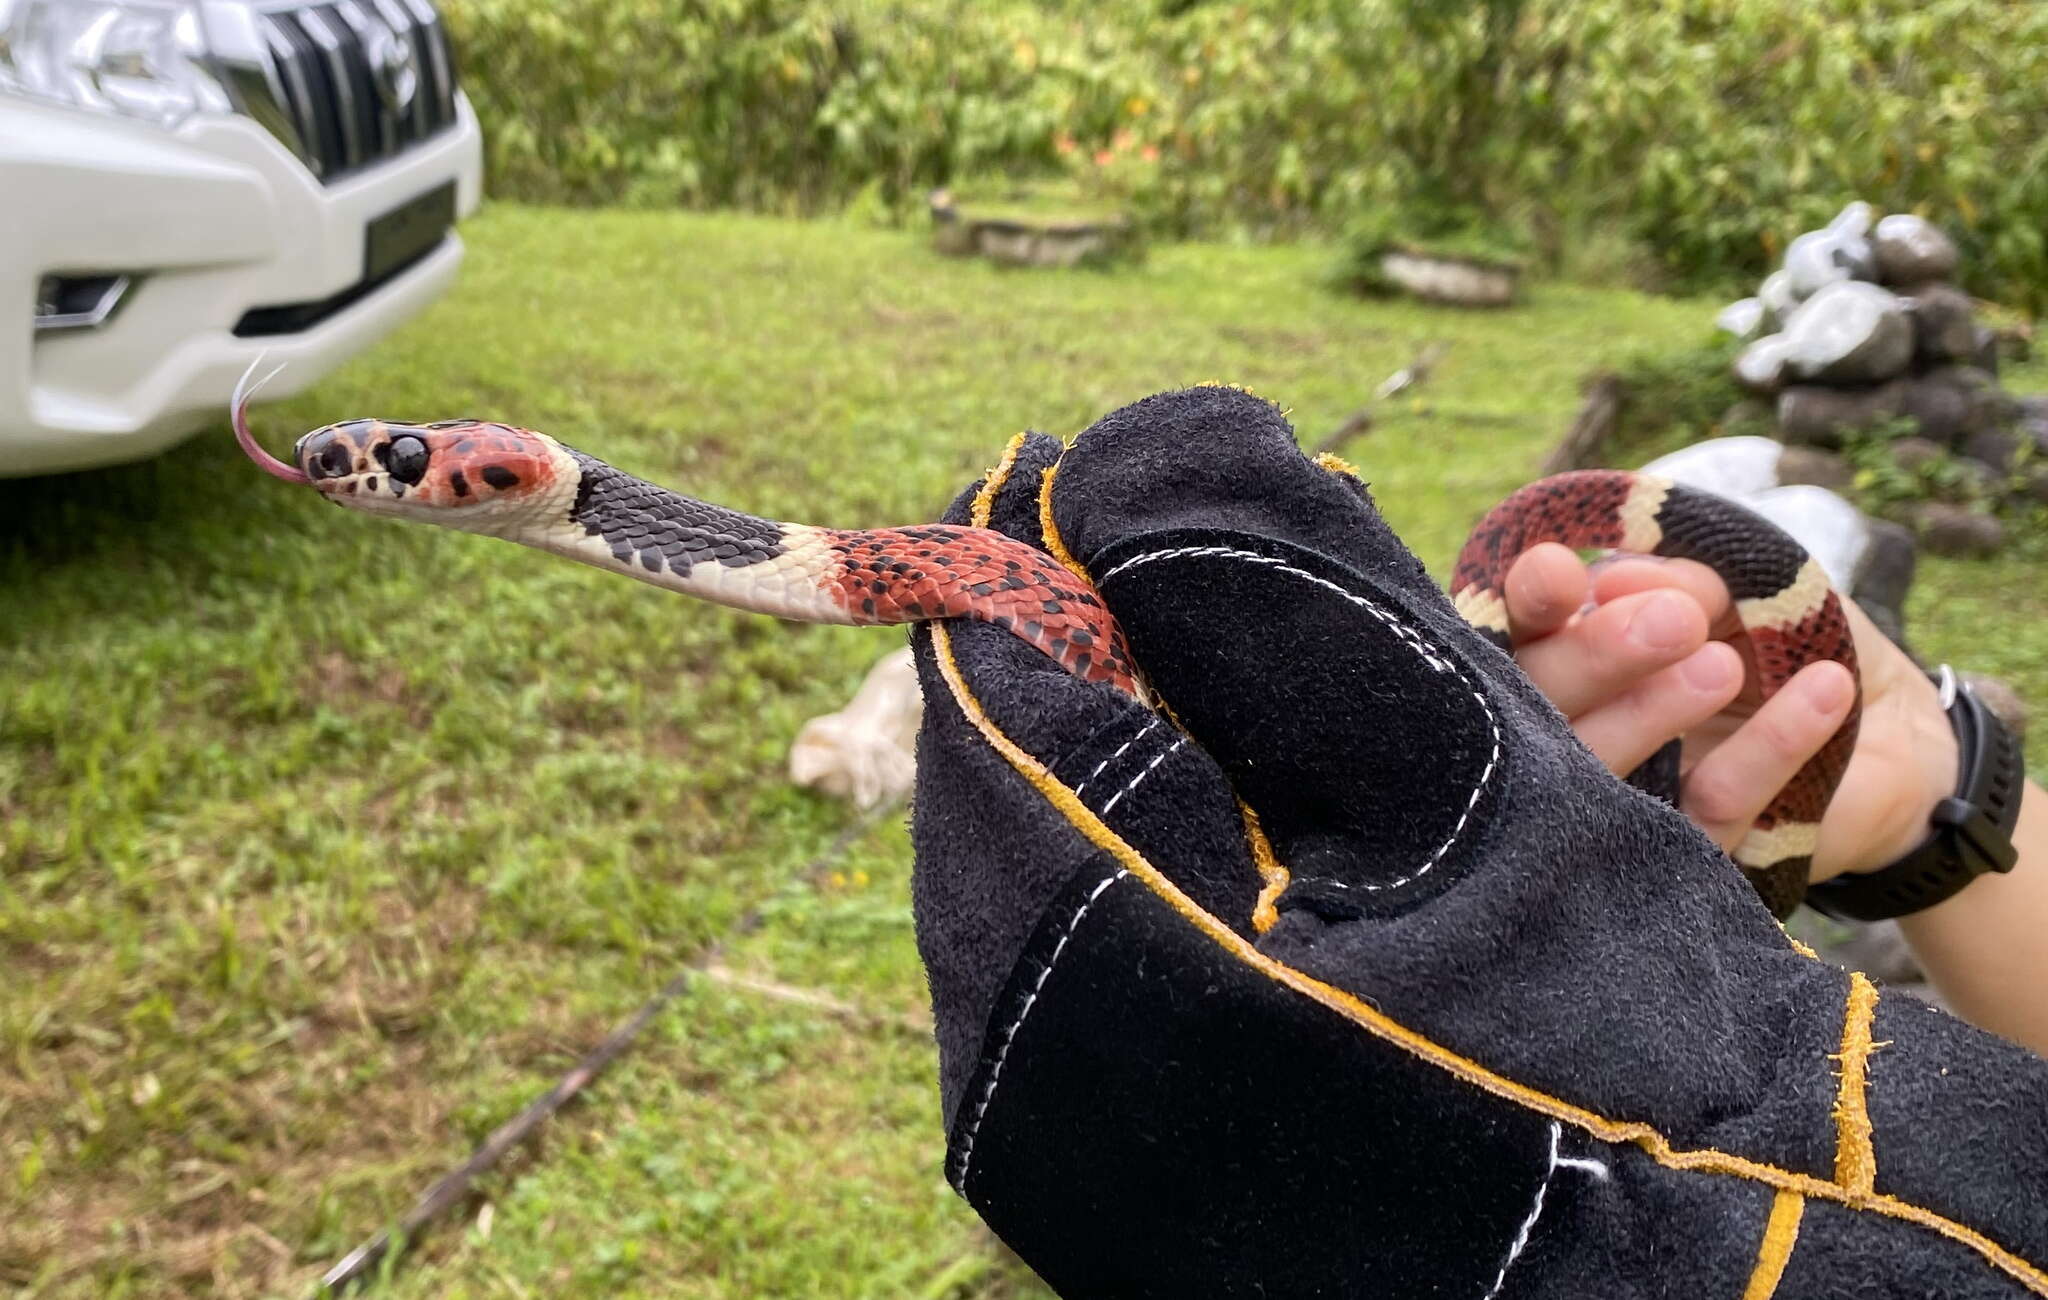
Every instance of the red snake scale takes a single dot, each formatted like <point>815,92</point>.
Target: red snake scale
<point>526,487</point>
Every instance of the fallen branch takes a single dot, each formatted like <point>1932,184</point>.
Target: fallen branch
<point>816,1001</point>
<point>1595,421</point>
<point>1408,378</point>
<point>454,1186</point>
<point>1357,423</point>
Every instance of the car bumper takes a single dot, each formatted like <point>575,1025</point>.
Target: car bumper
<point>210,223</point>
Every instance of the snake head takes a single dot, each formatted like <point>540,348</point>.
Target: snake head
<point>458,473</point>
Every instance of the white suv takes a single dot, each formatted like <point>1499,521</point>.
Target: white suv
<point>185,184</point>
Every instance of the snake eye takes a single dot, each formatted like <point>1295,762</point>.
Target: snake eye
<point>334,459</point>
<point>407,460</point>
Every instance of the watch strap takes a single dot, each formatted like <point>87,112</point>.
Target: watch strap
<point>1972,829</point>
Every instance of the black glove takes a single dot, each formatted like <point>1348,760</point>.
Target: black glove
<point>1481,1022</point>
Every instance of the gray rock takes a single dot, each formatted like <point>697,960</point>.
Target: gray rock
<point>1940,411</point>
<point>1812,262</point>
<point>1775,293</point>
<point>1912,250</point>
<point>1760,367</point>
<point>1859,258</point>
<point>1916,454</point>
<point>1732,467</point>
<point>1944,322</point>
<point>1817,415</point>
<point>1812,465</point>
<point>1947,529</point>
<point>1996,448</point>
<point>1999,696</point>
<point>2030,421</point>
<point>1886,573</point>
<point>1854,220</point>
<point>1988,353</point>
<point>1987,406</point>
<point>1839,251</point>
<point>1848,333</point>
<point>1743,318</point>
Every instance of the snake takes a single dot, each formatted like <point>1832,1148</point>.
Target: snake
<point>523,486</point>
<point>1787,608</point>
<point>478,476</point>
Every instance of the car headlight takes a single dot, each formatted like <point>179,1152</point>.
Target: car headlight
<point>144,59</point>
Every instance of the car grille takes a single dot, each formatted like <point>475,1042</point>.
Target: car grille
<point>358,81</point>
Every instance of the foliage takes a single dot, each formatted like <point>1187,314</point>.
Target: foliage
<point>1884,483</point>
<point>1705,133</point>
<point>1672,396</point>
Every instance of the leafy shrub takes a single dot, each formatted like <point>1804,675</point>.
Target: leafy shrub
<point>779,105</point>
<point>1674,398</point>
<point>1703,132</point>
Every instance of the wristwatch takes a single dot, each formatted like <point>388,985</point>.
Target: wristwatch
<point>1972,832</point>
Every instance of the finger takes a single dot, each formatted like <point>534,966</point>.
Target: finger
<point>1734,782</point>
<point>1626,730</point>
<point>1608,651</point>
<point>1544,587</point>
<point>1636,574</point>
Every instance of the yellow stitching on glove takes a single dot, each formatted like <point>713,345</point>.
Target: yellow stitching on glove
<point>1336,464</point>
<point>1797,946</point>
<point>1051,530</point>
<point>1264,915</point>
<point>1855,1160</point>
<point>1781,1233</point>
<point>993,481</point>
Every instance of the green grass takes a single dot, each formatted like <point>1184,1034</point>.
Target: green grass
<point>325,843</point>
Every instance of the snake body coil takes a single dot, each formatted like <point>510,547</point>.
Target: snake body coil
<point>1781,594</point>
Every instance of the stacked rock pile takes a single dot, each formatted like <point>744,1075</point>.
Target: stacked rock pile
<point>1862,327</point>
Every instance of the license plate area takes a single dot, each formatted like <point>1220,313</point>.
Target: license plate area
<point>408,230</point>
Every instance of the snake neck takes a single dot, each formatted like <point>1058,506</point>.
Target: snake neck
<point>605,517</point>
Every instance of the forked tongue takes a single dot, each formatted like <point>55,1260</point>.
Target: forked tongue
<point>269,464</point>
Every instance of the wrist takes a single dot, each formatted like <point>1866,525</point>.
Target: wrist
<point>1971,831</point>
<point>1931,758</point>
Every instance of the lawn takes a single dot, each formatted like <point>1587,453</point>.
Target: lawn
<point>326,843</point>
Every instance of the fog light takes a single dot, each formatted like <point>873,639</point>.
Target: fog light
<point>78,302</point>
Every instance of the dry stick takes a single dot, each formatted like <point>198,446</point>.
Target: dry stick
<point>717,973</point>
<point>1590,428</point>
<point>1409,377</point>
<point>453,1186</point>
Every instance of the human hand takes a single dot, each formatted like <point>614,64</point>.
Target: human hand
<point>1644,651</point>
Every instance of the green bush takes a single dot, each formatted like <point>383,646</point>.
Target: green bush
<point>778,105</point>
<point>1704,133</point>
